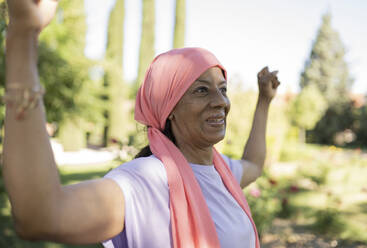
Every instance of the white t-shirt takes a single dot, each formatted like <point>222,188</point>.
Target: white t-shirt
<point>143,182</point>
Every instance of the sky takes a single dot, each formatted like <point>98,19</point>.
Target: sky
<point>244,35</point>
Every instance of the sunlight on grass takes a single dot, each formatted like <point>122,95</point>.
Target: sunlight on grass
<point>339,184</point>
<point>73,174</point>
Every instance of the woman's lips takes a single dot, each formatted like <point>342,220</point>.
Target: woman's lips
<point>216,121</point>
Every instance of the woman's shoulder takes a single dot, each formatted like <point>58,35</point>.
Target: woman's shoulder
<point>146,168</point>
<point>235,166</point>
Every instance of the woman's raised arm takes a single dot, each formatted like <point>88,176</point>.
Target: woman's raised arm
<point>254,154</point>
<point>88,212</point>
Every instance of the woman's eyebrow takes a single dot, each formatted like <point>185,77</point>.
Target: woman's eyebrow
<point>208,82</point>
<point>203,81</point>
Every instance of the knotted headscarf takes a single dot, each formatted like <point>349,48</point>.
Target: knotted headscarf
<point>166,80</point>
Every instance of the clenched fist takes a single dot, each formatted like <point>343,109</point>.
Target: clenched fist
<point>30,15</point>
<point>268,83</point>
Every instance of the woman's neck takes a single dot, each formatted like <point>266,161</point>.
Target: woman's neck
<point>196,155</point>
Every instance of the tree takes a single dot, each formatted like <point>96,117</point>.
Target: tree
<point>179,33</point>
<point>326,67</point>
<point>307,109</point>
<point>146,51</point>
<point>3,24</point>
<point>63,70</point>
<point>328,71</point>
<point>71,99</point>
<point>118,108</point>
<point>360,127</point>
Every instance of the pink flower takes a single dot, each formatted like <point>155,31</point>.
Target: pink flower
<point>255,192</point>
<point>114,141</point>
<point>294,189</point>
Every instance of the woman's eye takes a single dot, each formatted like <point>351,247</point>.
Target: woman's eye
<point>223,90</point>
<point>201,90</point>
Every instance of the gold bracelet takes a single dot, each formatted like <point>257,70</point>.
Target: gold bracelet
<point>22,98</point>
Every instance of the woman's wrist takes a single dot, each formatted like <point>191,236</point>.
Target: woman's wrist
<point>21,56</point>
<point>264,101</point>
<point>17,31</point>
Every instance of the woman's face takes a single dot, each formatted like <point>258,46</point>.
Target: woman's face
<point>199,118</point>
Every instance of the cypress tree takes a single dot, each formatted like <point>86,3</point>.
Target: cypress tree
<point>114,50</point>
<point>326,67</point>
<point>116,112</point>
<point>146,51</point>
<point>307,109</point>
<point>179,33</point>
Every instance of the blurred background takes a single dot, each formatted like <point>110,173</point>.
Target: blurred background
<point>92,59</point>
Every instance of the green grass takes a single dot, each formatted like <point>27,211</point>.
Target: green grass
<point>69,174</point>
<point>336,204</point>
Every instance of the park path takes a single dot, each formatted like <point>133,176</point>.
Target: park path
<point>82,157</point>
<point>286,234</point>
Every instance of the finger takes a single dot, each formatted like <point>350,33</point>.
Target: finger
<point>262,72</point>
<point>275,84</point>
<point>273,76</point>
<point>274,73</point>
<point>267,69</point>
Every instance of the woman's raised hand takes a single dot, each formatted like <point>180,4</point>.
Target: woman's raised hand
<point>30,15</point>
<point>268,83</point>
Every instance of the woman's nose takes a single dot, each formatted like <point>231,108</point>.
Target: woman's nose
<point>219,99</point>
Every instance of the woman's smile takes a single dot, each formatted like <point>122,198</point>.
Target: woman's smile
<point>217,120</point>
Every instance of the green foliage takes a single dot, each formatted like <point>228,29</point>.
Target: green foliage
<point>239,123</point>
<point>3,25</point>
<point>147,42</point>
<point>292,151</point>
<point>308,107</point>
<point>276,131</point>
<point>318,175</point>
<point>269,197</point>
<point>179,35</point>
<point>324,192</point>
<point>359,126</point>
<point>119,108</point>
<point>70,94</point>
<point>328,70</point>
<point>70,135</point>
<point>326,67</point>
<point>336,119</point>
<point>328,220</point>
<point>264,203</point>
<point>114,50</point>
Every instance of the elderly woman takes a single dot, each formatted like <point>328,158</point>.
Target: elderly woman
<point>178,192</point>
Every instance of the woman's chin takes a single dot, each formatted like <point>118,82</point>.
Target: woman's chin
<point>216,137</point>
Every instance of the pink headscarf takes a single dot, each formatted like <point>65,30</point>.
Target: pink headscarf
<point>167,79</point>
